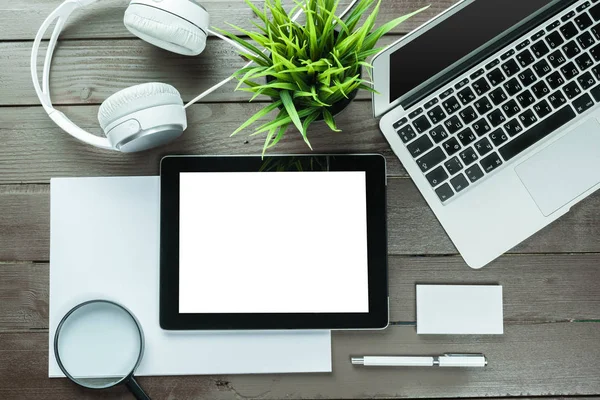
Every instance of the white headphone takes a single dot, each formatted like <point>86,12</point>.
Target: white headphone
<point>142,116</point>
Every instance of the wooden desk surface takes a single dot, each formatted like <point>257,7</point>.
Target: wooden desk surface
<point>552,298</point>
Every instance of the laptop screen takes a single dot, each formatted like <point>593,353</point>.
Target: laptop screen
<point>430,54</point>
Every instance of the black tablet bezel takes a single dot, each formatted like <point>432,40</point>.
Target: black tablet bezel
<point>374,167</point>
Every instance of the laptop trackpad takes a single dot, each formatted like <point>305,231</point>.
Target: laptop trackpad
<point>565,169</point>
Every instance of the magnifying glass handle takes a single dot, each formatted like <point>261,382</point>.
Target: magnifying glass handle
<point>136,389</point>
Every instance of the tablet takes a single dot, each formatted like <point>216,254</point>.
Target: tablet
<point>280,242</point>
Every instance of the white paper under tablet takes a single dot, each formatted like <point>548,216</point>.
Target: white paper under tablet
<point>284,242</point>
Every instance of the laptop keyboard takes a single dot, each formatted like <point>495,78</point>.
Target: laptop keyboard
<point>473,127</point>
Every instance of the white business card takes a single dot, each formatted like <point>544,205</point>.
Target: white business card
<point>459,310</point>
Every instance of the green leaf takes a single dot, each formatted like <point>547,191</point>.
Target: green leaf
<point>261,113</point>
<point>374,36</point>
<point>288,103</point>
<point>330,121</point>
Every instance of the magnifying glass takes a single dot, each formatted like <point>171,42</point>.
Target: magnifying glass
<point>98,345</point>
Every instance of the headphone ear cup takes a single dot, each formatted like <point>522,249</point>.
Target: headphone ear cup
<point>161,26</point>
<point>142,116</point>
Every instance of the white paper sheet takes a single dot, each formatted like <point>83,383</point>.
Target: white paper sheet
<point>104,244</point>
<point>459,310</point>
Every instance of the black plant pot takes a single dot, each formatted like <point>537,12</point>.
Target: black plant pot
<point>336,108</point>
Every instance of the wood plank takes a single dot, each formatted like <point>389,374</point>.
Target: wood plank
<point>21,20</point>
<point>89,71</point>
<point>531,360</point>
<point>412,227</point>
<point>537,288</point>
<point>34,149</point>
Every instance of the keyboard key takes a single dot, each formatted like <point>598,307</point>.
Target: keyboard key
<point>513,127</point>
<point>557,99</point>
<point>498,96</point>
<point>569,30</point>
<point>451,105</point>
<point>419,146</point>
<point>431,159</point>
<point>586,40</point>
<point>586,81</point>
<point>537,133</point>
<point>525,58</point>
<point>453,165</point>
<point>541,68</point>
<point>431,103</point>
<point>553,25</point>
<point>421,124</point>
<point>444,192</point>
<point>583,21</point>
<point>554,40</point>
<point>491,162</point>
<point>583,103</point>
<point>496,117</point>
<point>461,84</point>
<point>407,133</point>
<point>400,122</point>
<point>596,72</point>
<point>557,59</point>
<point>538,35</point>
<point>468,115</point>
<point>492,64</point>
<point>453,125</point>
<point>438,134</point>
<point>483,105</point>
<point>527,77</point>
<point>584,61</point>
<point>481,86</point>
<point>525,99</point>
<point>595,52</point>
<point>555,80</point>
<point>584,6</point>
<point>513,87</point>
<point>498,137</point>
<point>415,113</point>
<point>446,93</point>
<point>522,45</point>
<point>511,108</point>
<point>510,68</point>
<point>459,183</point>
<point>596,93</point>
<point>540,49</point>
<point>468,156</point>
<point>474,173</point>
<point>436,114</point>
<point>436,176</point>
<point>466,95</point>
<point>466,136</point>
<point>496,77</point>
<point>477,74</point>
<point>528,118</point>
<point>542,109</point>
<point>540,89</point>
<point>596,31</point>
<point>568,16</point>
<point>571,49</point>
<point>451,146</point>
<point>508,54</point>
<point>570,71</point>
<point>595,12</point>
<point>572,90</point>
<point>483,147</point>
<point>481,127</point>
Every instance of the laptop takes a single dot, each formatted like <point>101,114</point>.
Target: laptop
<point>492,108</point>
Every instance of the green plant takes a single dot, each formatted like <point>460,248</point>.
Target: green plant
<point>310,67</point>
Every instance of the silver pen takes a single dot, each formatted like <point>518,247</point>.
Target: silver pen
<point>444,360</point>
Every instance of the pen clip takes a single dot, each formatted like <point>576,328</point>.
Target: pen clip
<point>463,355</point>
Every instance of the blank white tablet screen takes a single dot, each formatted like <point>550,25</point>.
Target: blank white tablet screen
<point>274,242</point>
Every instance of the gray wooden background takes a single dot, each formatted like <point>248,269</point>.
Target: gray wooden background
<point>551,345</point>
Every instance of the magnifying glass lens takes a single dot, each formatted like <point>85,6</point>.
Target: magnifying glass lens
<point>99,345</point>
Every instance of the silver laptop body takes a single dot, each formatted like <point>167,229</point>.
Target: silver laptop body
<point>506,139</point>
